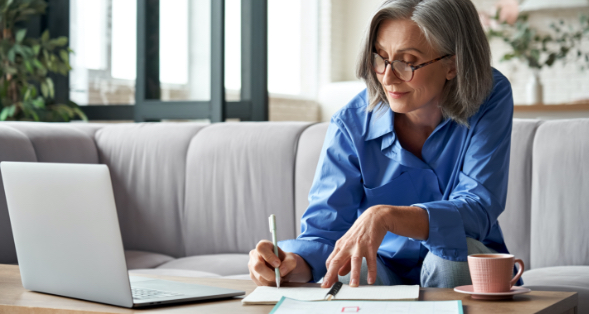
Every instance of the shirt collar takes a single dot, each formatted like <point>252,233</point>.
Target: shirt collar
<point>378,123</point>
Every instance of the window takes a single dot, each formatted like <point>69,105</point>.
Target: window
<point>173,59</point>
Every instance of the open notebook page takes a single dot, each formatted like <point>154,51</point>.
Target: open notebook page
<point>290,306</point>
<point>271,295</point>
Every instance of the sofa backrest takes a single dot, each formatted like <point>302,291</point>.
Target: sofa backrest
<point>147,163</point>
<point>560,194</point>
<point>310,145</point>
<point>515,220</point>
<point>238,174</point>
<point>14,146</point>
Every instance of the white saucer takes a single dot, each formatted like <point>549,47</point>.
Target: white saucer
<point>492,295</point>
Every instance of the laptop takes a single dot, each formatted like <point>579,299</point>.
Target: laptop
<point>68,240</point>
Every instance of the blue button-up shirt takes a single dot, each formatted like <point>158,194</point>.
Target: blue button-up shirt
<point>461,181</point>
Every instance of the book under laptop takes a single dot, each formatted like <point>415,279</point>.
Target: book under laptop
<point>68,241</point>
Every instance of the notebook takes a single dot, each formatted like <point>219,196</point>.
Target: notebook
<point>290,306</point>
<point>271,295</point>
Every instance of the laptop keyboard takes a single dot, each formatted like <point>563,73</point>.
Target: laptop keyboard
<point>143,294</point>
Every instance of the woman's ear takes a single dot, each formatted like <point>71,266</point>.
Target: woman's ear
<point>451,70</point>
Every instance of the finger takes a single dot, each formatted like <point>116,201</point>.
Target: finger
<point>331,276</point>
<point>372,271</point>
<point>265,249</point>
<point>289,263</point>
<point>261,281</point>
<point>356,264</point>
<point>250,265</point>
<point>334,253</point>
<point>263,270</point>
<point>345,269</point>
<point>255,280</point>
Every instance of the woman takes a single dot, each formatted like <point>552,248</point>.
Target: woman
<point>413,171</point>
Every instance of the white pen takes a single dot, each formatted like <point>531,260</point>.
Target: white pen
<point>272,220</point>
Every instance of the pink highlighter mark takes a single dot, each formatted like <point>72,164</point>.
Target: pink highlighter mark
<point>350,309</point>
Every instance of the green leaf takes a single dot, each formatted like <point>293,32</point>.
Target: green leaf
<point>33,91</point>
<point>36,49</point>
<point>44,89</point>
<point>551,59</point>
<point>7,112</point>
<point>27,94</point>
<point>80,113</point>
<point>45,36</point>
<point>11,55</point>
<point>535,53</point>
<point>507,57</point>
<point>39,102</point>
<point>28,66</point>
<point>64,56</point>
<point>4,114</point>
<point>59,41</point>
<point>20,35</point>
<point>38,64</point>
<point>50,86</point>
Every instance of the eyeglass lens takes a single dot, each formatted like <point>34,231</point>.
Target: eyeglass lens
<point>402,70</point>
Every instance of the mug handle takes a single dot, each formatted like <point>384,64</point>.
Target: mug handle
<point>519,272</point>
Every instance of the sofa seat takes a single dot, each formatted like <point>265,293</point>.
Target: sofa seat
<point>142,259</point>
<point>220,264</point>
<point>561,278</point>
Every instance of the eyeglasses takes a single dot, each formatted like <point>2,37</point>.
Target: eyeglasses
<point>401,69</point>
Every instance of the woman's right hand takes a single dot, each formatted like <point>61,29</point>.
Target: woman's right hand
<point>293,268</point>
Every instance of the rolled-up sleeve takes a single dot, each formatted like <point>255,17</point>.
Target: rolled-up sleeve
<point>333,201</point>
<point>479,191</point>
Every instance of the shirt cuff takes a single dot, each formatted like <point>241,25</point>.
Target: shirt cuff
<point>314,253</point>
<point>447,238</point>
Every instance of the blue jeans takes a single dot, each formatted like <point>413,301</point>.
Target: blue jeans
<point>436,272</point>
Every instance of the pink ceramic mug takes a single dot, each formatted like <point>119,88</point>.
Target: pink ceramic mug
<point>493,272</point>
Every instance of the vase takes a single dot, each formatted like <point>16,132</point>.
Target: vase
<point>534,89</point>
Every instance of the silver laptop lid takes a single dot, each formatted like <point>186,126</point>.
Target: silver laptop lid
<point>66,230</point>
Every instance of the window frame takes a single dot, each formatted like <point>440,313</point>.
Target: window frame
<point>253,105</point>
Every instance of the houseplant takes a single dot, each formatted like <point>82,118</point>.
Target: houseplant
<point>26,89</point>
<point>563,42</point>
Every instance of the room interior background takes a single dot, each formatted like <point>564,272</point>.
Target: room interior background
<point>312,46</point>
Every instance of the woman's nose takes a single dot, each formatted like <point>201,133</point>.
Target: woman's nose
<point>389,78</point>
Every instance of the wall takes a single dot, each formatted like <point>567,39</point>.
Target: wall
<point>562,83</point>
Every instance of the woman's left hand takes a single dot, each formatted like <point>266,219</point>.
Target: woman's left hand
<point>362,240</point>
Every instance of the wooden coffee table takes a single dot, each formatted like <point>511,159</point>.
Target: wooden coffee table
<point>15,299</point>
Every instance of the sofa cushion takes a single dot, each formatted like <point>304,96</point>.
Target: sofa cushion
<point>172,273</point>
<point>561,278</point>
<point>140,259</point>
<point>147,163</point>
<point>14,146</point>
<point>308,152</point>
<point>58,142</point>
<point>221,264</point>
<point>559,233</point>
<point>515,220</point>
<point>237,174</point>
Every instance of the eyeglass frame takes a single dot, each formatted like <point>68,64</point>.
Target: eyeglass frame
<point>413,68</point>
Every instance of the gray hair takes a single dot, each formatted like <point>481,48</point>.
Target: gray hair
<point>450,27</point>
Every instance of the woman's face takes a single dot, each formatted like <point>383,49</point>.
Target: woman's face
<point>403,40</point>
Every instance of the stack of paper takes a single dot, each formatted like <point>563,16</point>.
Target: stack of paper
<point>271,295</point>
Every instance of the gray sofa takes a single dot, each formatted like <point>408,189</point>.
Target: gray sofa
<point>193,199</point>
